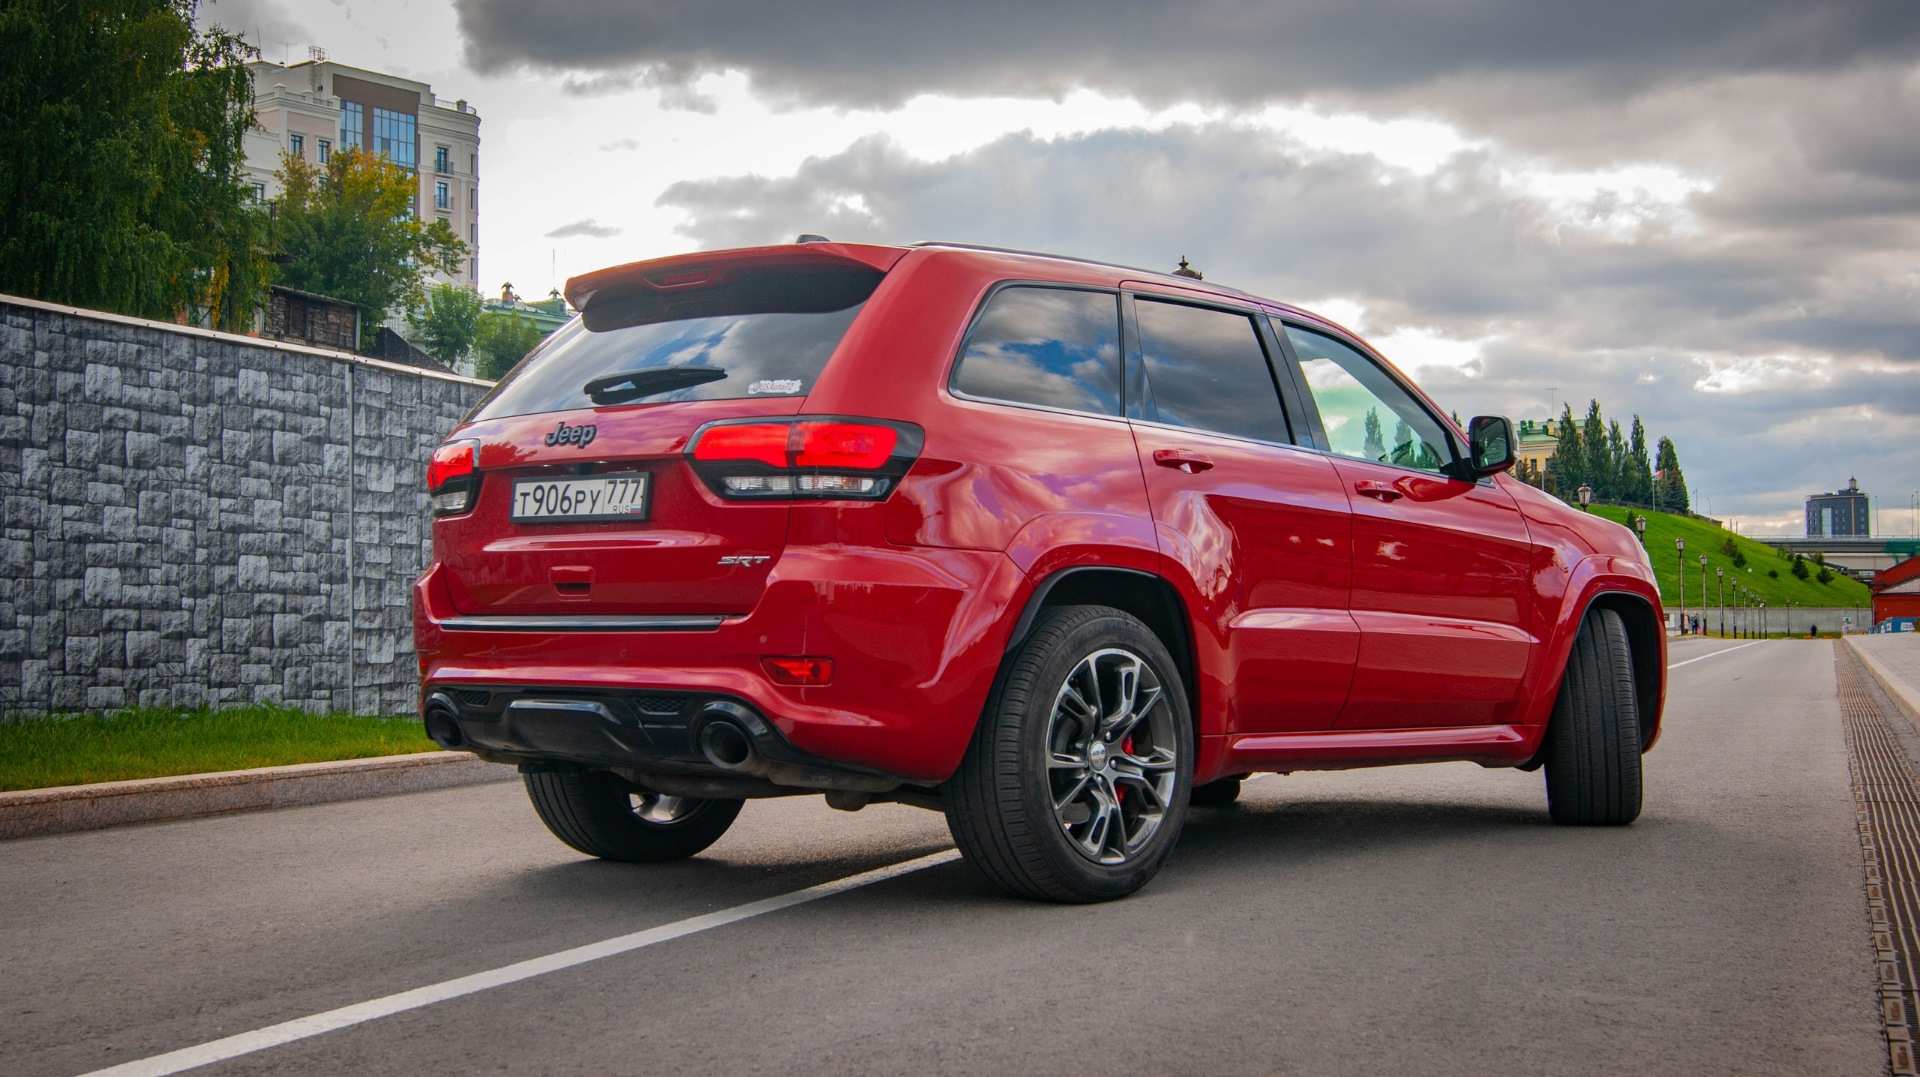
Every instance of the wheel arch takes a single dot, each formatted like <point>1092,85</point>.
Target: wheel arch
<point>1644,636</point>
<point>1153,599</point>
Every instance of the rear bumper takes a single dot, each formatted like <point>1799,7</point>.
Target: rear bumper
<point>915,634</point>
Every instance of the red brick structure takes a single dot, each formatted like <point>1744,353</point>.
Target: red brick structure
<point>1896,591</point>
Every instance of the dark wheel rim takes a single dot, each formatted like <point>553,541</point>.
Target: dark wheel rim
<point>1112,759</point>
<point>657,809</point>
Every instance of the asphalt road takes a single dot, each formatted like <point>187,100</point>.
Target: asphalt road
<point>1421,920</point>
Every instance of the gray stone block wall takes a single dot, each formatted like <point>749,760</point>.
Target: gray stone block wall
<point>194,518</point>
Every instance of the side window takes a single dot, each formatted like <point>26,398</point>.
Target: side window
<point>1055,347</point>
<point>1366,413</point>
<point>1207,370</point>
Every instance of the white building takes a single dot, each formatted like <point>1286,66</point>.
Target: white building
<point>312,108</point>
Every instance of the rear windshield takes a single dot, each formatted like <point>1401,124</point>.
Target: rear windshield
<point>647,356</point>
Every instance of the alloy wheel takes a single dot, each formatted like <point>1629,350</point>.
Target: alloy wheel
<point>1111,755</point>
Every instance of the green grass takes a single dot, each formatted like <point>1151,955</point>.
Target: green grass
<point>1706,538</point>
<point>157,742</point>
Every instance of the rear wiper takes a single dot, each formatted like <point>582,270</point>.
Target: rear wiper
<point>634,384</point>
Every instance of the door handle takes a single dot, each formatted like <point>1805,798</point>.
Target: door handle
<point>1385,491</point>
<point>1182,459</point>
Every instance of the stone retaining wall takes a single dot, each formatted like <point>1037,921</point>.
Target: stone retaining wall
<point>200,518</point>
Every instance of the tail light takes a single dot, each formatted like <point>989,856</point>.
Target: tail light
<point>825,457</point>
<point>453,476</point>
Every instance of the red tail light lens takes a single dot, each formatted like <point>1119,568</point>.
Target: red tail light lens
<point>806,671</point>
<point>762,442</point>
<point>453,476</point>
<point>809,458</point>
<point>842,446</point>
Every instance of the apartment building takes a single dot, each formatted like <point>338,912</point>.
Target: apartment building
<point>312,108</point>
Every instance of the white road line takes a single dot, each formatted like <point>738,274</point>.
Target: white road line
<point>346,1016</point>
<point>1716,654</point>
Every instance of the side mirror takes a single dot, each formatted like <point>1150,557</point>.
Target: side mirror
<point>1489,445</point>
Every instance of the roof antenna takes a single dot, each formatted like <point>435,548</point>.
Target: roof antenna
<point>1186,270</point>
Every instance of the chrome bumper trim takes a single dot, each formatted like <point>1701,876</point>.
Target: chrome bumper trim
<point>608,623</point>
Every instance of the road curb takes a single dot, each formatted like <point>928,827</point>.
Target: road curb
<point>32,812</point>
<point>1907,696</point>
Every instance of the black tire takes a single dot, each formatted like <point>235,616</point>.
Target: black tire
<point>1215,794</point>
<point>604,815</point>
<point>1012,804</point>
<point>1593,740</point>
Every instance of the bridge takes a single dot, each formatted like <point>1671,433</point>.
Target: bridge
<point>1857,554</point>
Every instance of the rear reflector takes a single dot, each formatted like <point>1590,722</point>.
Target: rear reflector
<point>799,670</point>
<point>452,476</point>
<point>809,457</point>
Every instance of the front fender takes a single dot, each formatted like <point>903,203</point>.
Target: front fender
<point>1598,578</point>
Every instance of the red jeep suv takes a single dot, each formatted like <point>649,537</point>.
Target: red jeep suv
<point>1055,547</point>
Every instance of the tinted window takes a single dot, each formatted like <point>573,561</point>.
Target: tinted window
<point>778,354</point>
<point>1047,346</point>
<point>1207,370</point>
<point>1367,414</point>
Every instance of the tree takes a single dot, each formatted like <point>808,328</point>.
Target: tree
<point>121,182</point>
<point>1375,445</point>
<point>1620,475</point>
<point>352,234</point>
<point>1669,483</point>
<point>502,340</point>
<point>1568,468</point>
<point>1639,468</point>
<point>1593,439</point>
<point>446,321</point>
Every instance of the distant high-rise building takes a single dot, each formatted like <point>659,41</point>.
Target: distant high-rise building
<point>1841,513</point>
<point>315,107</point>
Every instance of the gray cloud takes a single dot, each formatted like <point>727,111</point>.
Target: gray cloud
<point>1221,50</point>
<point>585,227</point>
<point>1811,313</point>
<point>265,24</point>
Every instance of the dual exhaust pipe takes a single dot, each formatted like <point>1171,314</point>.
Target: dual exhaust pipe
<point>723,735</point>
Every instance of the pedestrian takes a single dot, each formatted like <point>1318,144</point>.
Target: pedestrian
<point>1812,630</point>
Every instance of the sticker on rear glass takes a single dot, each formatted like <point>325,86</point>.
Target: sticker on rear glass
<point>774,385</point>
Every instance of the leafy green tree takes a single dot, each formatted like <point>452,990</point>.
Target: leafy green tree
<point>121,182</point>
<point>1593,438</point>
<point>446,322</point>
<point>1620,474</point>
<point>1799,569</point>
<point>1639,467</point>
<point>1375,445</point>
<point>503,339</point>
<point>1670,484</point>
<point>349,227</point>
<point>1568,468</point>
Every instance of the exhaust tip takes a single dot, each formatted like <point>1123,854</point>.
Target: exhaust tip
<point>726,745</point>
<point>443,724</point>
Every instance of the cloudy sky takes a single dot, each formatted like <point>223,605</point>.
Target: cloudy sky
<point>1706,213</point>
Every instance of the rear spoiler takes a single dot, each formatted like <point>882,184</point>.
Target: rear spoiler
<point>678,273</point>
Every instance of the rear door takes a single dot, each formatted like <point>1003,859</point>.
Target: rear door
<point>596,420</point>
<point>1261,527</point>
<point>1439,564</point>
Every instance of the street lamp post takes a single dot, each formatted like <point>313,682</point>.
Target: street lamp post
<point>1585,494</point>
<point>1640,526</point>
<point>1763,618</point>
<point>1721,576</point>
<point>1703,589</point>
<point>1680,548</point>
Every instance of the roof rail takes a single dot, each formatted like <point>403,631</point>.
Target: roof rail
<point>1171,277</point>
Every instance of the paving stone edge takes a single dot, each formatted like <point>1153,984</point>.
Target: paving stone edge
<point>32,812</point>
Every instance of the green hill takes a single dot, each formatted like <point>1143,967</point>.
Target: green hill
<point>1778,591</point>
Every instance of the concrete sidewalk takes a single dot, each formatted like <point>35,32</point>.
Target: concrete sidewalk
<point>1894,660</point>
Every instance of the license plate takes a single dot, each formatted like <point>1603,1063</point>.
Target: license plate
<point>593,497</point>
